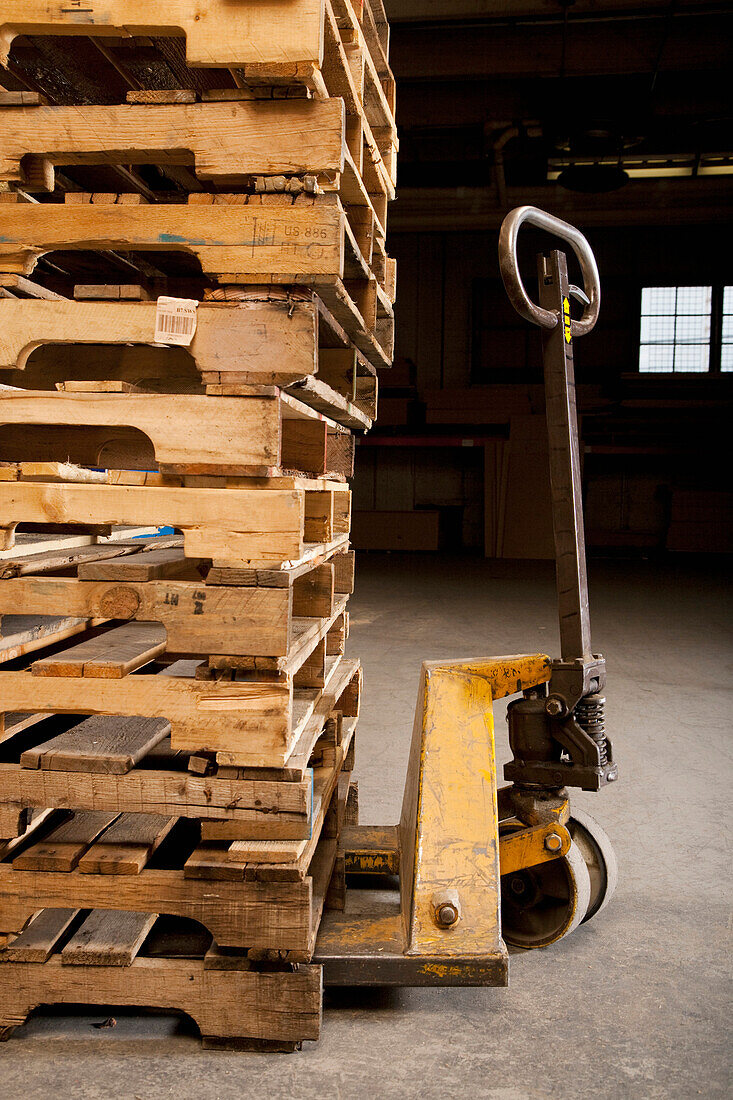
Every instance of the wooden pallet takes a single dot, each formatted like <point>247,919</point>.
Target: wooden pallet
<point>274,522</point>
<point>252,336</point>
<point>255,715</point>
<point>64,865</point>
<point>287,137</point>
<point>141,960</point>
<point>260,433</point>
<point>287,147</point>
<point>315,47</point>
<point>127,766</point>
<point>276,616</point>
<point>254,239</point>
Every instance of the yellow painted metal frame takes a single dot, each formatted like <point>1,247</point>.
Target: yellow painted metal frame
<point>447,841</point>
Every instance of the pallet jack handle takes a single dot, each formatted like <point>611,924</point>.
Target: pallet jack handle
<point>574,705</point>
<point>512,279</point>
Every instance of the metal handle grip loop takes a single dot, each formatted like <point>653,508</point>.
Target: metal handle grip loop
<point>513,284</point>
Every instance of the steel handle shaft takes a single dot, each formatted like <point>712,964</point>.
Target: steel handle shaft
<point>512,279</point>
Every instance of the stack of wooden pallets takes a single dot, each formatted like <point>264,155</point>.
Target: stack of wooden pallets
<point>194,298</point>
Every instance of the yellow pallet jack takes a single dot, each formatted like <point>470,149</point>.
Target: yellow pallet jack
<point>481,867</point>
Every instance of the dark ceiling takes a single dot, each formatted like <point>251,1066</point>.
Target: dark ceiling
<point>495,99</point>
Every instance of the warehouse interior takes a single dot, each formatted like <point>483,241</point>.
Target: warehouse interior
<point>614,115</point>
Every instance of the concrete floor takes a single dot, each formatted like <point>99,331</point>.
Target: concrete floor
<point>633,1004</point>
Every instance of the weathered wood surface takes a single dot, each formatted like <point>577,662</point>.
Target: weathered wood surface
<point>264,915</point>
<point>276,338</point>
<point>198,618</point>
<point>110,655</point>
<point>228,142</point>
<point>61,849</point>
<point>225,1004</point>
<point>22,633</point>
<point>107,745</point>
<point>233,525</point>
<point>254,719</point>
<point>127,845</point>
<point>255,803</point>
<point>107,938</point>
<point>37,941</point>
<point>292,244</point>
<point>200,433</point>
<point>267,32</point>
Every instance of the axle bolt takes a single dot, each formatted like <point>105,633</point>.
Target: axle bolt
<point>446,916</point>
<point>446,907</point>
<point>555,707</point>
<point>553,843</point>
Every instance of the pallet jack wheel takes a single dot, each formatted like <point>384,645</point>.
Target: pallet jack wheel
<point>541,904</point>
<point>600,859</point>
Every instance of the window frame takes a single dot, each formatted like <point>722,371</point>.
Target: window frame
<point>715,340</point>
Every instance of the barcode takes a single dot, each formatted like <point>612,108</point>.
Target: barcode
<point>177,323</point>
<point>175,320</point>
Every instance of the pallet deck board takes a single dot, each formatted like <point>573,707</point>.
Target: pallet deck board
<point>61,849</point>
<point>108,938</point>
<point>108,745</point>
<point>127,845</point>
<point>110,655</point>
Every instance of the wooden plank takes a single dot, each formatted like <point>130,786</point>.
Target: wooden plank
<point>263,33</point>
<point>252,720</point>
<point>275,335</point>
<point>313,593</point>
<point>225,1004</point>
<point>187,430</point>
<point>108,745</point>
<point>161,789</point>
<point>263,915</point>
<point>10,724</point>
<point>111,655</point>
<point>21,634</point>
<point>197,618</point>
<point>127,845</point>
<point>108,938</point>
<point>297,240</point>
<point>153,565</point>
<point>37,941</point>
<point>62,848</point>
<point>275,137</point>
<point>231,525</point>
<point>54,560</point>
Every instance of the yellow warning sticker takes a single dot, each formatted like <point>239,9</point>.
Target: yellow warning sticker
<point>566,322</point>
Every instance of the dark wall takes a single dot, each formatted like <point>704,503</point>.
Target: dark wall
<point>654,446</point>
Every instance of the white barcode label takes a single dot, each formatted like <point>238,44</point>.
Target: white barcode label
<point>175,320</point>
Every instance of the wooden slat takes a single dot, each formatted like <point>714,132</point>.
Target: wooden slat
<point>290,136</point>
<point>230,525</point>
<point>153,565</point>
<point>64,846</point>
<point>250,239</point>
<point>106,744</point>
<point>108,938</point>
<point>127,845</point>
<point>37,941</point>
<point>21,634</point>
<point>110,656</point>
<point>52,560</point>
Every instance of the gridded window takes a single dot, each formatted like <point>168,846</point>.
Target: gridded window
<point>726,347</point>
<point>675,328</point>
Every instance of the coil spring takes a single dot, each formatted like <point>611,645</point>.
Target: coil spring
<point>590,713</point>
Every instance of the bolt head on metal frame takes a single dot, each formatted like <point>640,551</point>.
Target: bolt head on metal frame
<point>553,842</point>
<point>446,908</point>
<point>555,707</point>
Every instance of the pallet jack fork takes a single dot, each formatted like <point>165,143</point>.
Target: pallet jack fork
<point>481,867</point>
